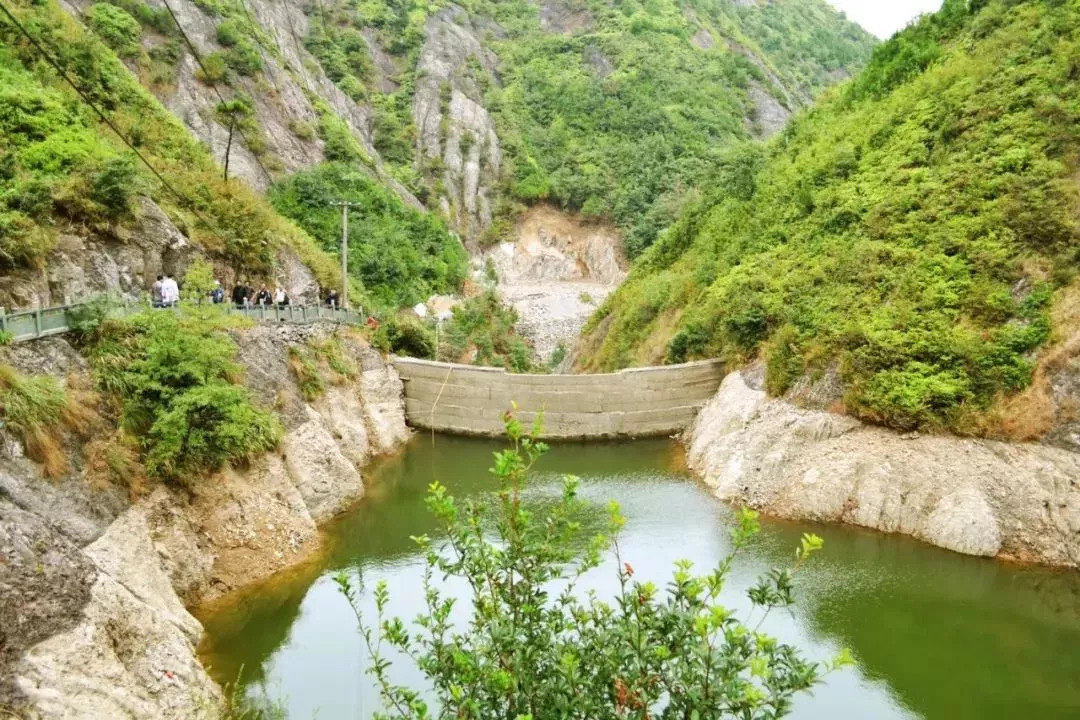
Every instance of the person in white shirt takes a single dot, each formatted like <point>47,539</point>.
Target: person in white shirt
<point>170,292</point>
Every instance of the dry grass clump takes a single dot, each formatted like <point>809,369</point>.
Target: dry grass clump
<point>114,460</point>
<point>38,408</point>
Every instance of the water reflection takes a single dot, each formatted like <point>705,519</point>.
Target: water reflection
<point>937,635</point>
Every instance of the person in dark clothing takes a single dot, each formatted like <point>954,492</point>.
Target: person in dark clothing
<point>263,297</point>
<point>217,295</point>
<point>240,295</point>
<point>332,299</point>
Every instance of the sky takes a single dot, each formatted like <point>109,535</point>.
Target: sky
<point>884,17</point>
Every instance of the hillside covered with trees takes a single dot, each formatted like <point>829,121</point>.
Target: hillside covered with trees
<point>915,236</point>
<point>611,109</point>
<point>433,117</point>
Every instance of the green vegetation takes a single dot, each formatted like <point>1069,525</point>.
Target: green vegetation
<point>625,116</point>
<point>402,255</point>
<point>198,282</point>
<point>317,363</point>
<point>60,165</point>
<point>534,646</point>
<point>172,376</point>
<point>485,324</point>
<point>116,27</point>
<point>617,116</point>
<point>909,231</point>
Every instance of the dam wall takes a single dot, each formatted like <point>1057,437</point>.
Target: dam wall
<point>640,402</point>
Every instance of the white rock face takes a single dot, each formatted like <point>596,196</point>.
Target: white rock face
<point>972,496</point>
<point>469,148</point>
<point>132,655</point>
<point>324,476</point>
<point>384,410</point>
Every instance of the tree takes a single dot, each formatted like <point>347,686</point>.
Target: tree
<point>534,648</point>
<point>198,281</point>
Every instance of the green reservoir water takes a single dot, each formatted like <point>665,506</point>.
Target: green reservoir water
<point>936,635</point>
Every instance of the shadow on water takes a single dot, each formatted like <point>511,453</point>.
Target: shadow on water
<point>936,635</point>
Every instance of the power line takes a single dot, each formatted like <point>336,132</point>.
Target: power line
<point>198,60</point>
<point>105,119</point>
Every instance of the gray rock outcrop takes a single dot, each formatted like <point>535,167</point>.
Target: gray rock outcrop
<point>977,497</point>
<point>453,124</point>
<point>555,274</point>
<point>121,262</point>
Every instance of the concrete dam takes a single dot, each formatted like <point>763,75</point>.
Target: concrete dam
<point>640,402</point>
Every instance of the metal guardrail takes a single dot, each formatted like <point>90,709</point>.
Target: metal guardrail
<point>32,324</point>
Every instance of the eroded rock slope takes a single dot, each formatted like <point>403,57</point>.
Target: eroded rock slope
<point>94,587</point>
<point>977,497</point>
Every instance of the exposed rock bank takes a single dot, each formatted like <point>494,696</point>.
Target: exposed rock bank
<point>977,497</point>
<point>94,589</point>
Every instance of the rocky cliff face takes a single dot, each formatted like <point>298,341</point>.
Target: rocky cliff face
<point>977,497</point>
<point>124,262</point>
<point>94,586</point>
<point>452,123</point>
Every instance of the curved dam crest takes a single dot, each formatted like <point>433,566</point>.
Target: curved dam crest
<point>640,402</point>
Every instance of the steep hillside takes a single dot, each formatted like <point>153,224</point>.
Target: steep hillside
<point>473,110</point>
<point>81,212</point>
<point>900,249</point>
<point>613,109</point>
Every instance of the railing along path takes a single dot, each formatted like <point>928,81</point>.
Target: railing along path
<point>25,325</point>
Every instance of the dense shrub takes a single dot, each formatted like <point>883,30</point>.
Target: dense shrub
<point>484,324</point>
<point>406,335</point>
<point>116,27</point>
<point>205,427</point>
<point>909,230</point>
<point>114,185</point>
<point>173,377</point>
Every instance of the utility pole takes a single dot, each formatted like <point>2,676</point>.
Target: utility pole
<point>344,205</point>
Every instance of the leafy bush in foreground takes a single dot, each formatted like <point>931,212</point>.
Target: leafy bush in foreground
<point>535,648</point>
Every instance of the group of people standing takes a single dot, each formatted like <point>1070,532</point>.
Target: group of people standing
<point>246,296</point>
<point>165,293</point>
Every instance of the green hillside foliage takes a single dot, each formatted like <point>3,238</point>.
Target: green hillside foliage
<point>627,139</point>
<point>402,255</point>
<point>616,117</point>
<point>61,166</point>
<point>909,231</point>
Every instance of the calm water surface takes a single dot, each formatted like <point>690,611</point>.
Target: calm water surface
<point>936,635</point>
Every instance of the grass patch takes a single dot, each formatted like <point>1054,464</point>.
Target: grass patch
<point>38,408</point>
